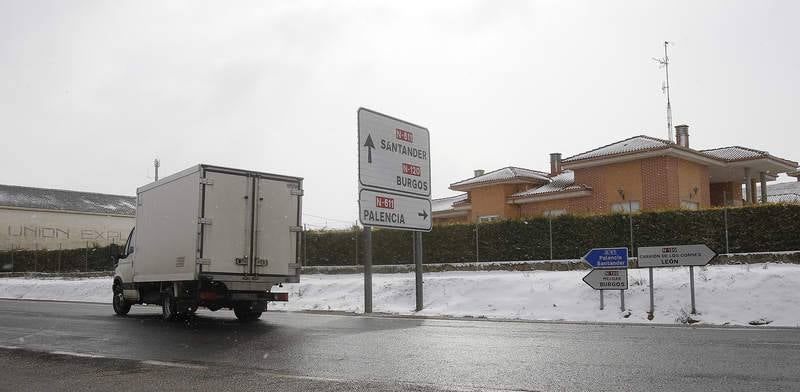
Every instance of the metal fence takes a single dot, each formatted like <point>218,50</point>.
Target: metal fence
<point>91,257</point>
<point>725,230</point>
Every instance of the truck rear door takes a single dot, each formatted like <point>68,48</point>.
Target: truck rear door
<point>227,219</point>
<point>277,227</point>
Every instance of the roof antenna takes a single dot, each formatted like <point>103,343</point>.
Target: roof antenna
<point>156,164</point>
<point>665,89</point>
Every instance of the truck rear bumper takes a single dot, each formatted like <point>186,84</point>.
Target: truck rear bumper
<point>237,282</point>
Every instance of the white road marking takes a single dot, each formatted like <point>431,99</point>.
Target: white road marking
<point>409,383</point>
<point>9,347</point>
<point>174,364</point>
<point>304,378</point>
<point>74,354</point>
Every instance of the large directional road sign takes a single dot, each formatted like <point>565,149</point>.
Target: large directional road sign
<point>393,155</point>
<point>607,279</point>
<point>394,173</point>
<point>391,210</point>
<point>607,258</point>
<point>675,255</point>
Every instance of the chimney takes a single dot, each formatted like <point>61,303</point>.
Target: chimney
<point>555,163</point>
<point>682,135</point>
<point>478,172</point>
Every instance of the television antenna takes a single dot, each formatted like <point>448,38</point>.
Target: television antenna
<point>664,62</point>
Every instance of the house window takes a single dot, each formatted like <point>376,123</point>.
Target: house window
<point>488,218</point>
<point>689,205</point>
<point>625,206</point>
<point>554,213</point>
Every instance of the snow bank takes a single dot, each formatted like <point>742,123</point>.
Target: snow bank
<point>82,290</point>
<point>725,294</point>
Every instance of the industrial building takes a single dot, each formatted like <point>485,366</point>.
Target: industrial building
<point>38,219</point>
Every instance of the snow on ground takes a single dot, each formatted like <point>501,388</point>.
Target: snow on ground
<point>725,294</point>
<point>82,290</point>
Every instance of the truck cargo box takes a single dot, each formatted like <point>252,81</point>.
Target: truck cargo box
<point>218,223</point>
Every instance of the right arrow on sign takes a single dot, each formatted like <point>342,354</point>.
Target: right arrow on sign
<point>675,255</point>
<point>369,145</point>
<point>423,214</point>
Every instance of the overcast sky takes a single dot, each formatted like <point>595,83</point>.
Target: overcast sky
<point>92,91</point>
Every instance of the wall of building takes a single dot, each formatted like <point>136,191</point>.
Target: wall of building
<point>656,183</point>
<point>607,181</point>
<point>693,177</point>
<point>492,200</point>
<point>573,205</point>
<point>26,229</point>
<point>660,183</point>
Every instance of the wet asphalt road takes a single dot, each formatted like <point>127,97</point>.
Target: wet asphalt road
<point>343,352</point>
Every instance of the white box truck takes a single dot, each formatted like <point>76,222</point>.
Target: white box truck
<point>214,237</point>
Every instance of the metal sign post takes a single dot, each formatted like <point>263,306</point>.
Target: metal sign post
<point>418,267</point>
<point>651,314</point>
<point>691,286</point>
<point>394,178</point>
<point>367,269</point>
<point>675,256</point>
<point>601,300</point>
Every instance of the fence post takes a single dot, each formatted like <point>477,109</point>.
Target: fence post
<point>304,260</point>
<point>477,244</point>
<point>630,223</point>
<point>59,257</point>
<point>725,217</point>
<point>35,256</point>
<point>86,257</point>
<point>550,226</point>
<point>12,257</point>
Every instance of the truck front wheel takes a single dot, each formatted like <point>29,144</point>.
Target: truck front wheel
<point>121,307</point>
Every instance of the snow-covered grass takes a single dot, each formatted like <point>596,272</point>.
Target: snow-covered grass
<point>725,294</point>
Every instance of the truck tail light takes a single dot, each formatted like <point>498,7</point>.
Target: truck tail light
<point>280,296</point>
<point>208,296</point>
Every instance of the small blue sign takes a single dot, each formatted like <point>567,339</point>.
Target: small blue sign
<point>607,258</point>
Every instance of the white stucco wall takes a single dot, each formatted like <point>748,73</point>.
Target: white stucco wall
<point>29,229</point>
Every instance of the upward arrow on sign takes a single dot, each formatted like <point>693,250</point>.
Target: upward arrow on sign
<point>369,145</point>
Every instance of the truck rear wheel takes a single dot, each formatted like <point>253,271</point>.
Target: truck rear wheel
<point>121,308</point>
<point>244,313</point>
<point>168,309</point>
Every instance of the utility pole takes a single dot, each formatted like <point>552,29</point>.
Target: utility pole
<point>665,89</point>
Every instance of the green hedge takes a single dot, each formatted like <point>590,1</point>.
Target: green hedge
<point>763,228</point>
<point>94,258</point>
